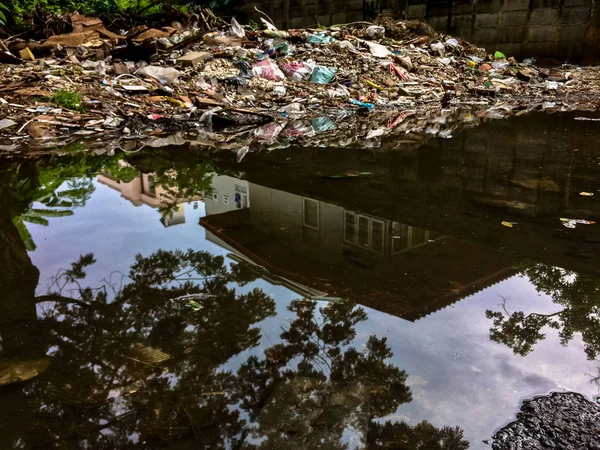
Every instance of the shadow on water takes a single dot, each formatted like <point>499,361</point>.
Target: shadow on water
<point>172,354</point>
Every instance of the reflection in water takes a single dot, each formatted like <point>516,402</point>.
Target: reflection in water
<point>132,363</point>
<point>578,296</point>
<point>196,349</point>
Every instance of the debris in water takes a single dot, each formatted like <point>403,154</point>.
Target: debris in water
<point>586,194</point>
<point>571,223</point>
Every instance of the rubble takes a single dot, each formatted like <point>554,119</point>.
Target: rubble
<point>365,81</point>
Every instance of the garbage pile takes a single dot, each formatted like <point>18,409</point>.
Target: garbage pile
<point>224,79</point>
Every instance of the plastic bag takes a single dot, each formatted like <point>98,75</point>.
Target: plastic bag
<point>378,50</point>
<point>320,38</point>
<point>323,75</point>
<point>321,124</point>
<point>268,70</point>
<point>375,32</point>
<point>236,29</point>
<point>166,75</point>
<point>298,71</point>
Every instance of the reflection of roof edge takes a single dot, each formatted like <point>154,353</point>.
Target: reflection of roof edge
<point>283,274</point>
<point>473,288</point>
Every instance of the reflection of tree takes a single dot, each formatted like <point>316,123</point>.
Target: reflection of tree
<point>316,388</point>
<point>579,296</point>
<point>131,360</point>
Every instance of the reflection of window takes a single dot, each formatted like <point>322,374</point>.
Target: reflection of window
<point>377,235</point>
<point>364,231</point>
<point>399,237</point>
<point>226,200</point>
<point>151,186</point>
<point>350,226</point>
<point>215,197</point>
<point>241,197</point>
<point>310,213</point>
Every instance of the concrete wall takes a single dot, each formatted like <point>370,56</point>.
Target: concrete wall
<point>543,28</point>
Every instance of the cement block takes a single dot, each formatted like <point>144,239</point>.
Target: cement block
<point>569,48</point>
<point>512,19</point>
<point>325,19</point>
<point>486,20</point>
<point>535,4</point>
<point>438,23</point>
<point>515,5</point>
<point>461,24</point>
<point>544,33</point>
<point>462,8</point>
<point>485,36</point>
<point>416,11</point>
<point>509,49</point>
<point>544,16</point>
<point>572,32</point>
<point>338,18</point>
<point>488,6</point>
<point>542,49</point>
<point>512,34</point>
<point>297,22</point>
<point>575,15</point>
<point>570,3</point>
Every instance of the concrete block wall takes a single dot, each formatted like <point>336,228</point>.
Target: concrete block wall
<point>521,28</point>
<point>542,28</point>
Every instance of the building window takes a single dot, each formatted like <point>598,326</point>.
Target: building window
<point>151,186</point>
<point>225,200</point>
<point>215,197</point>
<point>310,213</point>
<point>364,231</point>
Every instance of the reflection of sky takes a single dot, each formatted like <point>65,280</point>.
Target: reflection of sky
<point>456,374</point>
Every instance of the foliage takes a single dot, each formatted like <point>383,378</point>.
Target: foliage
<point>579,296</point>
<point>68,99</point>
<point>3,12</point>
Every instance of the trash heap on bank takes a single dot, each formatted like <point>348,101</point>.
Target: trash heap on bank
<point>239,86</point>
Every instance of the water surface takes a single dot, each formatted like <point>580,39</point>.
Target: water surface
<point>301,298</point>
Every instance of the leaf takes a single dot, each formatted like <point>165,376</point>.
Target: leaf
<point>25,234</point>
<point>194,305</point>
<point>499,55</point>
<point>52,212</point>
<point>32,218</point>
<point>507,224</point>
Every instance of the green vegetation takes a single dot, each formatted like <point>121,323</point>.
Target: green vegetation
<point>68,99</point>
<point>21,13</point>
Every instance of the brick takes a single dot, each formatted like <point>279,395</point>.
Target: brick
<point>515,5</point>
<point>297,22</point>
<point>544,16</point>
<point>512,18</point>
<point>575,15</point>
<point>545,33</point>
<point>192,58</point>
<point>416,11</point>
<point>325,19</point>
<point>486,20</point>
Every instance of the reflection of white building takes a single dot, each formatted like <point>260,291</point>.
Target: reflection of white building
<point>319,248</point>
<point>227,194</point>
<point>143,190</point>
